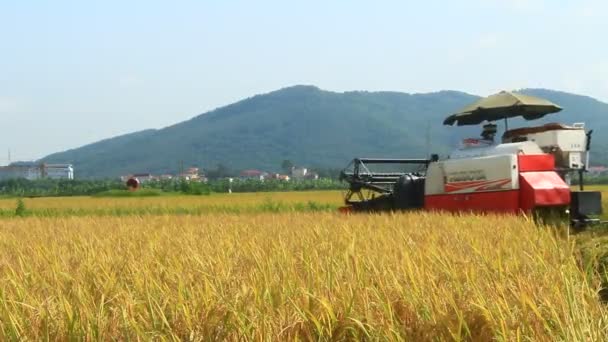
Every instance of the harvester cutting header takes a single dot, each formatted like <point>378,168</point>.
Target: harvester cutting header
<point>526,172</point>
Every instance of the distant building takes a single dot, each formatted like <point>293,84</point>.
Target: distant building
<point>192,174</point>
<point>303,173</point>
<point>298,172</point>
<point>278,176</point>
<point>15,171</point>
<point>253,174</point>
<point>58,171</point>
<point>312,175</point>
<point>598,170</point>
<point>33,171</point>
<point>143,177</point>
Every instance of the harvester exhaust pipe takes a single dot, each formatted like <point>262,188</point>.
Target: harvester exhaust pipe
<point>586,166</point>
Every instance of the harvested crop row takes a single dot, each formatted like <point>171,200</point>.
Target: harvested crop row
<point>283,276</point>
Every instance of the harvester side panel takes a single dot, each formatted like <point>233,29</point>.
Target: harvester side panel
<point>536,162</point>
<point>486,202</point>
<point>542,189</point>
<point>540,185</point>
<point>481,174</point>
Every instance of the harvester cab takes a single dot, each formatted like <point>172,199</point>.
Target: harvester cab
<point>528,171</point>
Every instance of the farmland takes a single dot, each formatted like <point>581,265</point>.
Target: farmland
<point>284,266</point>
<point>176,204</point>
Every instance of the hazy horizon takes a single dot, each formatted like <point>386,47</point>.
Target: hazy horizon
<point>74,73</point>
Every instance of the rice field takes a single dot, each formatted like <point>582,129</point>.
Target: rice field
<point>289,274</point>
<point>240,199</point>
<point>177,204</point>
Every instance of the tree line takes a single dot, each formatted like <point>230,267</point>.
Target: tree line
<point>50,187</point>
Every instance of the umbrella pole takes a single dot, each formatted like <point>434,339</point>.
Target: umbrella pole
<point>506,124</point>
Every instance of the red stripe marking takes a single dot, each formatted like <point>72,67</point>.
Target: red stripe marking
<point>476,185</point>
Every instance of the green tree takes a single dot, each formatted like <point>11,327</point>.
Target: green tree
<point>286,165</point>
<point>221,171</point>
<point>20,209</point>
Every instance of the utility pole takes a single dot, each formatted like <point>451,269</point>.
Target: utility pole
<point>428,138</point>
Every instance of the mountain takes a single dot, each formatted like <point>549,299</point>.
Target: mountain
<point>310,127</point>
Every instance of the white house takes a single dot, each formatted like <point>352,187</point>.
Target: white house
<point>298,172</point>
<point>33,171</point>
<point>58,171</point>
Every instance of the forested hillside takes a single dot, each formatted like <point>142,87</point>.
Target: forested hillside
<point>310,127</point>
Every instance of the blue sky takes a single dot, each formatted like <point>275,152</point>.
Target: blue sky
<point>74,72</point>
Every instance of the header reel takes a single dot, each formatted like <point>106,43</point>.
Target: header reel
<point>381,190</point>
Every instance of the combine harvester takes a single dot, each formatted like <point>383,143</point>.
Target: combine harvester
<point>527,172</point>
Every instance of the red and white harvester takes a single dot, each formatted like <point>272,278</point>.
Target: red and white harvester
<point>528,171</point>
